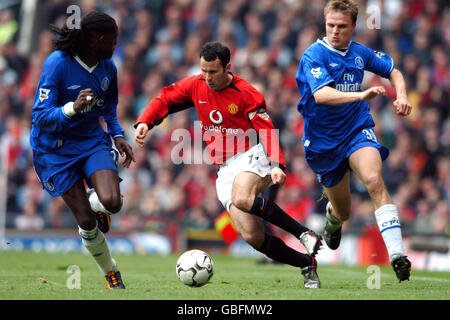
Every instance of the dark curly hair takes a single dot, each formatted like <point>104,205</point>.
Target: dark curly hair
<point>73,40</point>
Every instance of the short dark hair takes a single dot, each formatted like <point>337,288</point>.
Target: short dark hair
<point>213,50</point>
<point>73,40</point>
<point>344,6</point>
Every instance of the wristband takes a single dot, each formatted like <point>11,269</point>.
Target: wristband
<point>68,109</point>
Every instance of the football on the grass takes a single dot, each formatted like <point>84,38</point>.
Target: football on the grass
<point>194,268</point>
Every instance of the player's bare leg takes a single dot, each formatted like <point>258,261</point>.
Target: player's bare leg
<point>105,198</point>
<point>366,163</point>
<point>338,211</point>
<point>246,187</point>
<point>92,238</point>
<point>77,202</point>
<point>106,186</point>
<point>250,227</point>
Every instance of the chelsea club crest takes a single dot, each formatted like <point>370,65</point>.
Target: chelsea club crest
<point>359,62</point>
<point>105,83</point>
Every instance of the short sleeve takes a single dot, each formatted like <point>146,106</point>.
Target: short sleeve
<point>315,74</point>
<point>254,100</point>
<point>379,63</point>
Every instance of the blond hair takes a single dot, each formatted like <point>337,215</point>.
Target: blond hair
<point>344,6</point>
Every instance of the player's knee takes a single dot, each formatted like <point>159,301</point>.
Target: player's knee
<point>242,202</point>
<point>111,202</point>
<point>374,183</point>
<point>253,238</point>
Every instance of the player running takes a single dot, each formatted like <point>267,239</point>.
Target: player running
<point>339,132</point>
<point>229,108</point>
<point>78,85</point>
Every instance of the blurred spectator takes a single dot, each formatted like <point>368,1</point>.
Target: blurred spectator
<point>8,26</point>
<point>30,219</point>
<point>8,79</point>
<point>59,215</point>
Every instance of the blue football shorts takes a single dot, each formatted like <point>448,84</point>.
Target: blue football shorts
<point>330,167</point>
<point>58,173</point>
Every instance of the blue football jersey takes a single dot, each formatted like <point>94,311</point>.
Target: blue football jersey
<point>62,78</point>
<point>326,126</point>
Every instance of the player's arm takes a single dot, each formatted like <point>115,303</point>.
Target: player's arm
<point>330,96</point>
<point>115,130</point>
<point>109,111</point>
<point>48,115</point>
<point>383,65</point>
<point>401,104</point>
<point>269,138</point>
<point>314,72</point>
<point>171,99</point>
<point>267,133</point>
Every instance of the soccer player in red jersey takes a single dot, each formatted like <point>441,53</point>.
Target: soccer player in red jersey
<point>230,110</point>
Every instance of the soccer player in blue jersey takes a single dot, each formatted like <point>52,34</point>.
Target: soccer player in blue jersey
<point>78,85</point>
<point>339,134</point>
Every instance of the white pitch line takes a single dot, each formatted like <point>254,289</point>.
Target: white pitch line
<point>386,275</point>
<point>429,279</point>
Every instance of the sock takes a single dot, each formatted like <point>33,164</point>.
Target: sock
<point>95,242</point>
<point>95,203</point>
<point>389,225</point>
<point>271,212</point>
<point>277,250</point>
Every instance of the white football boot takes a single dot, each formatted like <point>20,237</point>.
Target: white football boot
<point>310,276</point>
<point>311,241</point>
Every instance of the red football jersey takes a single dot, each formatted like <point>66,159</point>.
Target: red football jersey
<point>232,119</point>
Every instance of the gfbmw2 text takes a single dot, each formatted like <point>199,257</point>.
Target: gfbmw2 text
<point>226,309</point>
<point>251,309</point>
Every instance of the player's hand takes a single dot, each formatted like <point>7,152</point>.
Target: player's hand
<point>140,134</point>
<point>84,99</point>
<point>278,176</point>
<point>402,106</point>
<point>124,150</point>
<point>372,93</point>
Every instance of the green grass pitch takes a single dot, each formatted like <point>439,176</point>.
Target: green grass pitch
<point>28,275</point>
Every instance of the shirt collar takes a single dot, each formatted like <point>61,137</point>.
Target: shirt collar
<point>342,52</point>
<point>84,65</point>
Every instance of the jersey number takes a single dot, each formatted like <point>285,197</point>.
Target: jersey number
<point>251,157</point>
<point>370,135</point>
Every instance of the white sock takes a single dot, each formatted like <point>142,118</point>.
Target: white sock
<point>95,203</point>
<point>95,242</point>
<point>389,225</point>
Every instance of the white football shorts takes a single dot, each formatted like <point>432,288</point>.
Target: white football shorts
<point>253,160</point>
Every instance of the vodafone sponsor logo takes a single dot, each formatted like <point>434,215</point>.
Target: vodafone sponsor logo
<point>216,117</point>
<point>219,128</point>
<point>221,143</point>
